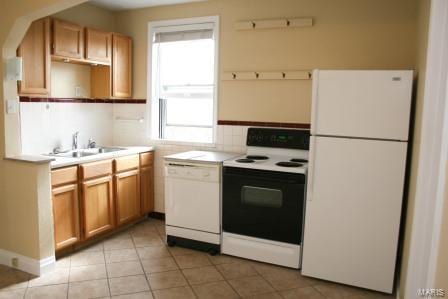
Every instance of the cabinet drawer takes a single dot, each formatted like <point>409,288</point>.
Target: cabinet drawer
<point>126,163</point>
<point>147,159</point>
<point>96,169</point>
<point>64,176</point>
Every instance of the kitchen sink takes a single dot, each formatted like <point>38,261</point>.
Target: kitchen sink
<point>86,152</point>
<point>101,150</point>
<point>77,154</point>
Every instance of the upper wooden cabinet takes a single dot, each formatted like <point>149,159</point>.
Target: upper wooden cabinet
<point>98,46</point>
<point>35,53</point>
<point>68,40</point>
<point>121,66</point>
<point>109,54</point>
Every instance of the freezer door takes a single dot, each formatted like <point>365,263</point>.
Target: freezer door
<point>366,104</point>
<point>353,209</point>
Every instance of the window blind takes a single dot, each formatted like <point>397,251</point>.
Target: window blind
<point>177,36</point>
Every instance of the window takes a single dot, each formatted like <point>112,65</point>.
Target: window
<point>183,81</point>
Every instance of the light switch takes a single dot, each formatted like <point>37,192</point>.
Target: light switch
<point>11,106</point>
<point>14,68</point>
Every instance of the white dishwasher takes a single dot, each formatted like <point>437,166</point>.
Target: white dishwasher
<point>193,199</point>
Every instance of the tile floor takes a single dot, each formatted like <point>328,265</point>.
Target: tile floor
<point>137,264</point>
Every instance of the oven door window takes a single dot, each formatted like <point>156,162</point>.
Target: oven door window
<point>261,197</point>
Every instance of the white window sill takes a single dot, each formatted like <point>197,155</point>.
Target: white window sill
<point>182,143</point>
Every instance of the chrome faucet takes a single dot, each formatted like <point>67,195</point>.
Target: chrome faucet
<point>75,141</point>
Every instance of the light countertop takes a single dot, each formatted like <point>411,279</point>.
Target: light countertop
<point>57,162</point>
<point>129,150</point>
<point>202,156</point>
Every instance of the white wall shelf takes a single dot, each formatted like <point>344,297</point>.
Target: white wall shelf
<point>274,23</point>
<point>266,75</point>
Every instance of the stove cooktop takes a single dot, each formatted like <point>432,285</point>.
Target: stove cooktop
<point>270,162</point>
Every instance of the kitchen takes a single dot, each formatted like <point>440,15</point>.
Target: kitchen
<point>263,78</point>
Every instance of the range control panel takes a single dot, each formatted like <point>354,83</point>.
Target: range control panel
<point>279,138</point>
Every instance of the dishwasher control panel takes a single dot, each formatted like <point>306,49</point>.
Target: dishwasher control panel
<point>193,171</point>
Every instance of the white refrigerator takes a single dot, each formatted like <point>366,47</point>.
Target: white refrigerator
<point>359,127</point>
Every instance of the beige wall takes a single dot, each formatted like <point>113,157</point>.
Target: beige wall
<point>422,41</point>
<point>65,77</point>
<point>90,16</point>
<point>347,34</point>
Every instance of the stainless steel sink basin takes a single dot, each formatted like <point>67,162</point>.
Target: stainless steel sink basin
<point>77,154</point>
<point>109,149</point>
<point>86,152</point>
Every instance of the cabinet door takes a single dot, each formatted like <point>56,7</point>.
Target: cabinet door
<point>35,53</point>
<point>66,215</point>
<point>68,40</point>
<point>98,206</point>
<point>121,66</point>
<point>127,190</point>
<point>98,45</point>
<point>147,189</point>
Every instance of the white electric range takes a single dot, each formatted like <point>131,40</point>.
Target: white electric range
<point>264,195</point>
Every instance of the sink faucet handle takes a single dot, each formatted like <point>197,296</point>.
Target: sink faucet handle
<point>91,143</point>
<point>56,150</point>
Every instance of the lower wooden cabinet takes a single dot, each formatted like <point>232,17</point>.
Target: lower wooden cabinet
<point>96,197</point>
<point>66,215</point>
<point>98,206</point>
<point>127,196</point>
<point>147,189</point>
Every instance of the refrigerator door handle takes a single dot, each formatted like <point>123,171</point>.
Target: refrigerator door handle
<point>311,166</point>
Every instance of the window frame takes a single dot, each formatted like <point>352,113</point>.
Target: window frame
<point>152,124</point>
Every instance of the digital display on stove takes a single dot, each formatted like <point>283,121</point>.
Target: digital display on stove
<point>283,138</point>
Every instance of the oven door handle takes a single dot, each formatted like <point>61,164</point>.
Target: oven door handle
<point>288,181</point>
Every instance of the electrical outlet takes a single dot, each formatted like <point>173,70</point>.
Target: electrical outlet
<point>78,91</point>
<point>15,262</point>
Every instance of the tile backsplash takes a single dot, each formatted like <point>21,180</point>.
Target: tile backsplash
<point>45,126</point>
<point>133,132</point>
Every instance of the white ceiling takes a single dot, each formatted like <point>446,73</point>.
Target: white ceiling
<point>133,4</point>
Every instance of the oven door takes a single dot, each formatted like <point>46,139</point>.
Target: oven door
<point>263,204</point>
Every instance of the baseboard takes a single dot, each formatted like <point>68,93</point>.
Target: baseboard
<point>26,264</point>
<point>157,215</point>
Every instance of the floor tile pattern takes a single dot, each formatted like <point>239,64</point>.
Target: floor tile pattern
<point>136,264</point>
